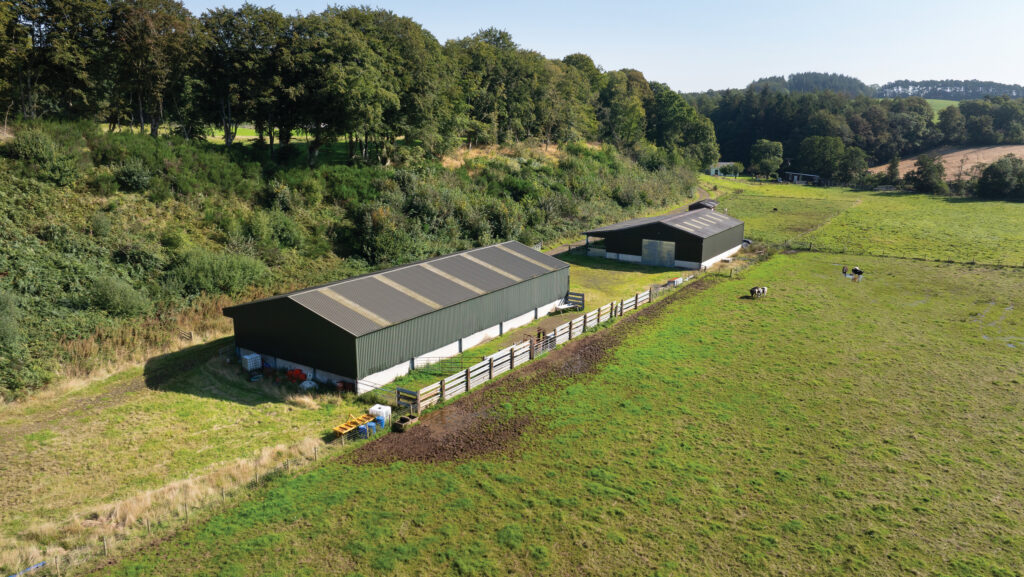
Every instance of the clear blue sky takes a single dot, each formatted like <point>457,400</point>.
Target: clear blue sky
<point>700,45</point>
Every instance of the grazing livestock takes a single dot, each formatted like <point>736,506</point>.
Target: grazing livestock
<point>758,292</point>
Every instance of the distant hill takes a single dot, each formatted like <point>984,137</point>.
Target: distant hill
<point>949,89</point>
<point>808,82</point>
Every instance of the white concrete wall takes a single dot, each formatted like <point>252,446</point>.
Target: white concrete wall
<point>449,350</point>
<point>719,257</point>
<point>481,336</point>
<point>379,379</point>
<point>629,257</point>
<point>516,322</point>
<point>710,261</point>
<point>547,309</point>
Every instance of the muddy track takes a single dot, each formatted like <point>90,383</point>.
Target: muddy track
<point>470,426</point>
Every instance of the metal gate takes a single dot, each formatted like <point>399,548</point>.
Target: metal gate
<point>658,253</point>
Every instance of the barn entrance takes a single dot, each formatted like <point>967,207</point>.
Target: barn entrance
<point>658,253</point>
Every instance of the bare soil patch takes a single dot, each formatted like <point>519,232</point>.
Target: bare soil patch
<point>952,157</point>
<point>470,426</point>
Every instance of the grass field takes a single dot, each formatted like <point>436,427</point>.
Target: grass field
<point>938,105</point>
<point>777,219</point>
<point>68,453</point>
<point>891,224</point>
<point>832,428</point>
<point>921,226</point>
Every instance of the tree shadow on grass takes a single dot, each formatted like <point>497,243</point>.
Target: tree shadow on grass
<point>195,371</point>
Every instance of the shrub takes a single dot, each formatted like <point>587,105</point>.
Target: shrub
<point>46,160</point>
<point>117,297</point>
<point>102,182</point>
<point>100,224</point>
<point>201,271</point>
<point>133,175</point>
<point>9,315</point>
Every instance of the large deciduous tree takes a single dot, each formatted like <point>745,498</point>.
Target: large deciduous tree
<point>765,157</point>
<point>154,45</point>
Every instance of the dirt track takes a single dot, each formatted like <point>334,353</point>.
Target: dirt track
<point>469,427</point>
<point>951,157</point>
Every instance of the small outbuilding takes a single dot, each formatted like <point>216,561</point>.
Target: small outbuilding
<point>802,178</point>
<point>708,203</point>
<point>368,330</point>
<point>693,239</point>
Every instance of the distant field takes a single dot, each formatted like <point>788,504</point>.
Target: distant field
<point>939,105</point>
<point>957,159</point>
<point>140,430</point>
<point>832,428</point>
<point>776,219</point>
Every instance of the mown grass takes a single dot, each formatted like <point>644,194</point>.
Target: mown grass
<point>777,219</point>
<point>832,428</point>
<point>66,452</point>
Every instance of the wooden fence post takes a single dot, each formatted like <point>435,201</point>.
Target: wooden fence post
<point>467,380</point>
<point>531,349</point>
<point>490,368</point>
<point>442,389</point>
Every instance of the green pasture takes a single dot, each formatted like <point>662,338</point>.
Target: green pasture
<point>177,416</point>
<point>776,219</point>
<point>938,105</point>
<point>886,223</point>
<point>921,226</point>
<point>831,428</point>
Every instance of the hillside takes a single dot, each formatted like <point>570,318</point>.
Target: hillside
<point>114,243</point>
<point>956,159</point>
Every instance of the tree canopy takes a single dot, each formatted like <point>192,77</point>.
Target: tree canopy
<point>367,75</point>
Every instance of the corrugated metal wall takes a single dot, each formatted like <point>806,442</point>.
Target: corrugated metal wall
<point>721,242</point>
<point>387,347</point>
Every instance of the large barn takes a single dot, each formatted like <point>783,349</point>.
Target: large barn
<point>693,239</point>
<point>368,330</point>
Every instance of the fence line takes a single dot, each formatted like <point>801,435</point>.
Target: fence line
<point>522,352</point>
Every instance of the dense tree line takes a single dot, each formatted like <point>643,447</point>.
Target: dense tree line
<point>809,82</point>
<point>367,76</point>
<point>949,89</point>
<point>871,131</point>
<point>880,129</point>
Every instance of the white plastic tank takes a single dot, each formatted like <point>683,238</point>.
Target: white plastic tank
<point>252,362</point>
<point>381,411</point>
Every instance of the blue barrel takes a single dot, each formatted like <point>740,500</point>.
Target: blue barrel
<point>363,431</point>
<point>371,427</point>
<point>380,422</point>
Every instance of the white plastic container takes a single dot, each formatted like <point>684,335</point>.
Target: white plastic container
<point>380,411</point>
<point>252,362</point>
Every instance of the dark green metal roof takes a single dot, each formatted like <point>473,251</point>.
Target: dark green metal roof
<point>369,303</point>
<point>701,223</point>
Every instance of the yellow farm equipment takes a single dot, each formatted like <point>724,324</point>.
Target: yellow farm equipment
<point>352,423</point>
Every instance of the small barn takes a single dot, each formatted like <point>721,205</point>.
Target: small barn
<point>708,203</point>
<point>717,168</point>
<point>368,330</point>
<point>693,239</point>
<point>802,178</point>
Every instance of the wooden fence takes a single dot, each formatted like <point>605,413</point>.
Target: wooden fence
<point>518,354</point>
